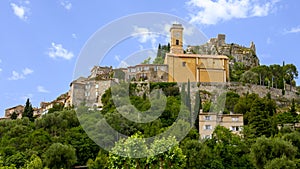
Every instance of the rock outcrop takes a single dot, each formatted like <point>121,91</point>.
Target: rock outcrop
<point>235,52</point>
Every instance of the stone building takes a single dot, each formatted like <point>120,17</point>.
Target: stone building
<point>209,121</point>
<point>194,67</point>
<point>17,109</point>
<point>89,90</point>
<point>147,72</point>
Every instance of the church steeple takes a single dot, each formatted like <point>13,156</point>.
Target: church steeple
<point>176,39</point>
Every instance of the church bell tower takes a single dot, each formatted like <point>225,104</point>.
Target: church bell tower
<point>176,39</point>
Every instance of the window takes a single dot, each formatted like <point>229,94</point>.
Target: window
<point>234,128</point>
<point>97,93</point>
<point>207,118</point>
<point>177,42</point>
<point>207,136</point>
<point>96,86</point>
<point>235,119</point>
<point>207,127</point>
<point>183,64</point>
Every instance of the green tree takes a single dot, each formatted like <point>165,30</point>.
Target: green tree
<point>34,163</point>
<point>158,60</point>
<point>294,138</point>
<point>236,71</point>
<point>84,146</point>
<point>172,158</point>
<point>264,150</point>
<point>14,116</point>
<point>28,110</point>
<point>260,119</point>
<point>127,153</point>
<point>59,156</point>
<point>198,154</point>
<point>147,61</point>
<point>226,148</point>
<point>249,77</point>
<point>197,108</point>
<point>124,154</point>
<point>281,163</point>
<point>101,161</point>
<point>263,73</point>
<point>290,73</point>
<point>17,159</point>
<point>277,76</point>
<point>293,108</point>
<point>56,107</point>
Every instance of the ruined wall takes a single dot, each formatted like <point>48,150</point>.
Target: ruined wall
<point>235,52</point>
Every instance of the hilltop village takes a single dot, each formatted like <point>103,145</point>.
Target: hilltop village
<point>205,66</point>
<point>234,112</point>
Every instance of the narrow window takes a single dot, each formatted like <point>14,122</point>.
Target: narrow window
<point>207,127</point>
<point>177,42</point>
<point>207,118</point>
<point>183,64</point>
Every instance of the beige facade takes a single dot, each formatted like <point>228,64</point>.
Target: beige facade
<point>89,90</point>
<point>209,121</point>
<point>196,68</point>
<point>17,109</point>
<point>147,72</point>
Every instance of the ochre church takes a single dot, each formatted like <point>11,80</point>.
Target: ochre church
<point>194,67</point>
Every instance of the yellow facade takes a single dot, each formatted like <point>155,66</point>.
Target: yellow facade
<point>196,68</point>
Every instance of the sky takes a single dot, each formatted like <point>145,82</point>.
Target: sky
<point>42,41</point>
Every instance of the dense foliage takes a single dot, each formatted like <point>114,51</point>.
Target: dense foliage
<point>58,140</point>
<point>273,75</point>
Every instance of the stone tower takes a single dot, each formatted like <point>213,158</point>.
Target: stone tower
<point>176,39</point>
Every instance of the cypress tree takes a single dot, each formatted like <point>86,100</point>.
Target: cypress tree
<point>293,108</point>
<point>28,111</point>
<point>188,101</point>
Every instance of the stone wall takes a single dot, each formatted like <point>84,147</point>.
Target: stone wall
<point>237,53</point>
<point>215,89</point>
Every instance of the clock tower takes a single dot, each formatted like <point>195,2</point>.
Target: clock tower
<point>176,39</point>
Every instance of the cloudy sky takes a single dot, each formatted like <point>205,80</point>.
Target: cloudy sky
<point>41,40</point>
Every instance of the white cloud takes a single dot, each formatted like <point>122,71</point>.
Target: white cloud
<point>66,4</point>
<point>211,12</point>
<point>17,76</point>
<point>41,89</point>
<point>269,41</point>
<point>144,35</point>
<point>57,50</point>
<point>293,30</point>
<point>20,11</point>
<point>74,36</point>
<point>27,71</point>
<point>0,68</point>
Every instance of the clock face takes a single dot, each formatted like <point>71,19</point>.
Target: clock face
<point>177,34</point>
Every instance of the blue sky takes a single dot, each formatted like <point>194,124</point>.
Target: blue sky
<point>41,40</point>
